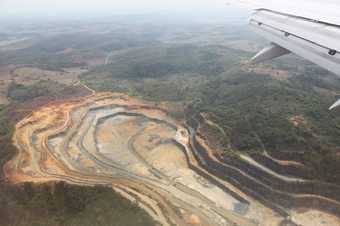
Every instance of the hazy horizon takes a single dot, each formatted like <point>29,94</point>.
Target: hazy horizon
<point>78,9</point>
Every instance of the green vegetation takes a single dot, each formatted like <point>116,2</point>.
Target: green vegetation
<point>7,150</point>
<point>38,58</point>
<point>21,93</point>
<point>65,205</point>
<point>162,72</point>
<point>161,60</point>
<point>256,111</point>
<point>86,40</point>
<point>60,51</point>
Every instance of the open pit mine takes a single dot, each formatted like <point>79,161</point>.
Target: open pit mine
<point>164,165</point>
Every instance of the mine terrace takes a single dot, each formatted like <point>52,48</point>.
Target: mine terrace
<point>166,166</point>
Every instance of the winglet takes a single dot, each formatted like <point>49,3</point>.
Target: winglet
<point>336,104</point>
<point>268,53</point>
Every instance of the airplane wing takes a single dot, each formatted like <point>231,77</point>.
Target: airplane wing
<point>308,28</point>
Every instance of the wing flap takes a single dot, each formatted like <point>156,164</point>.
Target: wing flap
<point>315,41</point>
<point>325,35</point>
<point>299,46</point>
<point>326,11</point>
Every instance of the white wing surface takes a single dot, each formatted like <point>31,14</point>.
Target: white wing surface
<point>308,28</point>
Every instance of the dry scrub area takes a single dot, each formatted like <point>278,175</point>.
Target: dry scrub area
<point>28,75</point>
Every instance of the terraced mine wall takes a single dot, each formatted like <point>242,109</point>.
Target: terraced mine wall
<point>285,190</point>
<point>107,107</point>
<point>234,177</point>
<point>211,179</point>
<point>298,187</point>
<point>286,170</point>
<point>103,119</point>
<point>249,182</point>
<point>289,156</point>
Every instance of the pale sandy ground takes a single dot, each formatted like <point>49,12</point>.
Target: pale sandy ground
<point>298,120</point>
<point>263,215</point>
<point>149,205</point>
<point>284,162</point>
<point>3,100</point>
<point>314,218</point>
<point>265,70</point>
<point>258,165</point>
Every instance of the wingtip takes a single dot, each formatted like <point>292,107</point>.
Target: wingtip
<point>270,52</point>
<point>336,104</point>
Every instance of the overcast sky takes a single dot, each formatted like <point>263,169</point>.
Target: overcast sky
<point>21,7</point>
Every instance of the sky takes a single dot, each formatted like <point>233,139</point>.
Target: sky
<point>51,7</point>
